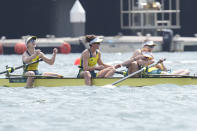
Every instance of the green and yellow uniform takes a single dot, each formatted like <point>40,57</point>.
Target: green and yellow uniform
<point>33,67</point>
<point>154,70</point>
<point>151,71</point>
<point>92,61</point>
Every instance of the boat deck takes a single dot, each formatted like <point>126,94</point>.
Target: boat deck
<point>134,82</point>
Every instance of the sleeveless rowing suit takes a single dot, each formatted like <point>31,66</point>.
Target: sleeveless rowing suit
<point>151,71</point>
<point>154,70</point>
<point>32,67</point>
<point>92,61</point>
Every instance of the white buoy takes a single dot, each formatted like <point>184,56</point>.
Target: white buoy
<point>77,13</point>
<point>77,19</point>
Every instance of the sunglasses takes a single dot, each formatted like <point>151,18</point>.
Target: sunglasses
<point>151,46</point>
<point>32,41</point>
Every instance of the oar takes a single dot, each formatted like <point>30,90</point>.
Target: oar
<point>36,76</point>
<point>12,69</point>
<point>134,73</point>
<point>168,75</point>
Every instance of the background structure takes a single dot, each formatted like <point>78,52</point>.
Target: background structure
<point>42,17</point>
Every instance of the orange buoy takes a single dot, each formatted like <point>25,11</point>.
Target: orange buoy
<point>77,62</point>
<point>65,48</point>
<point>1,48</point>
<point>20,48</point>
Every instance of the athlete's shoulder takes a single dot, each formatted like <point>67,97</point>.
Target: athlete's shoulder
<point>98,51</point>
<point>86,52</point>
<point>138,51</point>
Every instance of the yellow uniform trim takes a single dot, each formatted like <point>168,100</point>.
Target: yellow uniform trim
<point>152,69</point>
<point>92,61</point>
<point>33,67</point>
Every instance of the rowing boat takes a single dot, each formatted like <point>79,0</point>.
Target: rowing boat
<point>133,82</point>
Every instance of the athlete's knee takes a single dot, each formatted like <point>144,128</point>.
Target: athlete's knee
<point>134,64</point>
<point>30,73</point>
<point>87,74</point>
<point>111,69</point>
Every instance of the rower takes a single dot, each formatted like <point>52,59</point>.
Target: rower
<point>148,59</point>
<point>148,46</point>
<point>32,55</point>
<point>89,60</point>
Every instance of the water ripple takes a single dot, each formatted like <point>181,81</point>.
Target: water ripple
<point>150,108</point>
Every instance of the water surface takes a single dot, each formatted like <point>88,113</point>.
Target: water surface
<point>150,108</point>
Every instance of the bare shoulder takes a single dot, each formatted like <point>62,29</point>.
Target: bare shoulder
<point>85,53</point>
<point>25,54</point>
<point>98,51</point>
<point>137,51</point>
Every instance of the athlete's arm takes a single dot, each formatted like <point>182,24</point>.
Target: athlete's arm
<point>136,56</point>
<point>51,60</point>
<point>145,62</point>
<point>132,59</point>
<point>161,66</point>
<point>136,53</point>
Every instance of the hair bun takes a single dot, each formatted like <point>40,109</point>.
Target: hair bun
<point>89,37</point>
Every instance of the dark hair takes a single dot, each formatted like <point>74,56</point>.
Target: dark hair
<point>90,37</point>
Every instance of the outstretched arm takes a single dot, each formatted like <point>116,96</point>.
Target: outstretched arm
<point>132,59</point>
<point>127,62</point>
<point>136,56</point>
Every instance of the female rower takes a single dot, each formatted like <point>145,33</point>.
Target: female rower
<point>148,46</point>
<point>148,59</point>
<point>32,55</point>
<point>159,69</point>
<point>89,60</point>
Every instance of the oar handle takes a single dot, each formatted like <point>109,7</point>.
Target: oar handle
<point>12,69</point>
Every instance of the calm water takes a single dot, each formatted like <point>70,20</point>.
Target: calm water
<point>151,108</point>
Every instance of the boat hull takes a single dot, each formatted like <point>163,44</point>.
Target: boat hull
<point>55,82</point>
